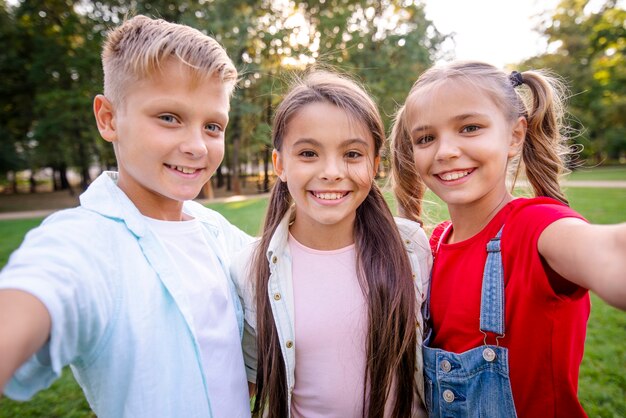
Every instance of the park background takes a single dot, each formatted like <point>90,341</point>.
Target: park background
<point>50,149</point>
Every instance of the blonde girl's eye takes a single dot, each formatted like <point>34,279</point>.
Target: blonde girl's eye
<point>423,140</point>
<point>470,129</point>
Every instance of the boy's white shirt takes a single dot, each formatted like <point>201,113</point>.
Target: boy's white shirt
<point>119,314</point>
<point>280,283</point>
<point>212,309</point>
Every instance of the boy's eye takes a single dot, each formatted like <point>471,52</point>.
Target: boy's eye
<point>167,118</point>
<point>213,127</point>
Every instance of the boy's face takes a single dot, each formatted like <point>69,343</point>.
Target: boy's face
<point>168,137</point>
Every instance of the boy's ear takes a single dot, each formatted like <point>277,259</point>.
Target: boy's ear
<point>518,136</point>
<point>105,118</point>
<point>279,169</point>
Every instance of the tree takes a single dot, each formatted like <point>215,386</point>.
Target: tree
<point>590,54</point>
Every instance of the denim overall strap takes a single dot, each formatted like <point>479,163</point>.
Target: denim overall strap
<point>492,296</point>
<point>474,383</point>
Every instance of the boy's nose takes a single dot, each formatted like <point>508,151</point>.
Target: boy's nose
<point>194,145</point>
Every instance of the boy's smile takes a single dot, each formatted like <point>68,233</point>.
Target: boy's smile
<point>168,136</point>
<point>327,160</point>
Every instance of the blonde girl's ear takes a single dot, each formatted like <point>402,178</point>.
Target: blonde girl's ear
<point>105,118</point>
<point>279,168</point>
<point>518,136</point>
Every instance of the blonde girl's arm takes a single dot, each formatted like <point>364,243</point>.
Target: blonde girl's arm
<point>591,256</point>
<point>24,328</point>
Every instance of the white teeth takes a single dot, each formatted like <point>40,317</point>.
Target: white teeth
<point>185,170</point>
<point>329,196</point>
<point>454,175</point>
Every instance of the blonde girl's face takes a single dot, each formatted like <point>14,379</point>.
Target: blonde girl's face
<point>328,162</point>
<point>462,143</point>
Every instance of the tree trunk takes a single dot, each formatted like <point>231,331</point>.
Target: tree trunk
<point>65,183</point>
<point>207,191</point>
<point>13,175</point>
<point>219,175</point>
<point>236,135</point>
<point>235,163</point>
<point>56,182</point>
<point>33,182</point>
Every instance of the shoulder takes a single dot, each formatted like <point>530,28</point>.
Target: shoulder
<point>418,250</point>
<point>411,230</point>
<point>74,227</point>
<point>241,265</point>
<point>207,215</point>
<point>218,224</point>
<point>541,206</point>
<point>413,235</point>
<point>437,235</point>
<point>529,217</point>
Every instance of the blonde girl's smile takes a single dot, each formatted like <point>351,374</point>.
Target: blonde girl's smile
<point>452,176</point>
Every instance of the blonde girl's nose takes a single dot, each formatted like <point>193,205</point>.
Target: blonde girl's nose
<point>447,148</point>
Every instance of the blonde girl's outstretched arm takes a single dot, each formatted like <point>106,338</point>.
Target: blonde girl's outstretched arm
<point>592,256</point>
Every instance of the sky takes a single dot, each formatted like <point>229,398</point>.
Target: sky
<point>499,32</point>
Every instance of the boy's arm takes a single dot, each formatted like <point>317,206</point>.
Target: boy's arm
<point>592,256</point>
<point>24,328</point>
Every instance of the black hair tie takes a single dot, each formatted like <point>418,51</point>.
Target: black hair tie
<point>516,79</point>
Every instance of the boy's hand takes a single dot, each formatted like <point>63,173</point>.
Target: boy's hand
<point>24,328</point>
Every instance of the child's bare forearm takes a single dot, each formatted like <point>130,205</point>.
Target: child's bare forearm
<point>24,328</point>
<point>592,256</point>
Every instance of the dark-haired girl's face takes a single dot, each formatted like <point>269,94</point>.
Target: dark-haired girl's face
<point>328,162</point>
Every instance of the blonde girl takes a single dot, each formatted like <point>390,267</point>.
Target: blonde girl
<point>333,290</point>
<point>508,303</point>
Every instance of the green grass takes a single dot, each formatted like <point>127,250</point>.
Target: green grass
<point>599,173</point>
<point>602,377</point>
<point>246,214</point>
<point>12,233</point>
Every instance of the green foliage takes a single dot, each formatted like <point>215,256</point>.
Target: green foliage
<point>50,53</point>
<point>590,54</point>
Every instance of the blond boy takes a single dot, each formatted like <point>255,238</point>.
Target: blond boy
<point>131,289</point>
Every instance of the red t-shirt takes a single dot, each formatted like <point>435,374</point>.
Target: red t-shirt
<point>545,315</point>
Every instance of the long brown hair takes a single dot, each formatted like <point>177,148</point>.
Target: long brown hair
<point>383,269</point>
<point>539,98</point>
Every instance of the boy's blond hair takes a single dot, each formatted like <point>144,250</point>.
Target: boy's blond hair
<point>140,46</point>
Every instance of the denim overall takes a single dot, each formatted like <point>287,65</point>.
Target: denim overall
<point>474,383</point>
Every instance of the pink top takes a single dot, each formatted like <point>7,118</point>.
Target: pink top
<point>330,327</point>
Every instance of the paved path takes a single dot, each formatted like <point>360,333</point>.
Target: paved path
<point>28,214</point>
<point>612,184</point>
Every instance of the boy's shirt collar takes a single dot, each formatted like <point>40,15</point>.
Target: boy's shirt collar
<point>105,198</point>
